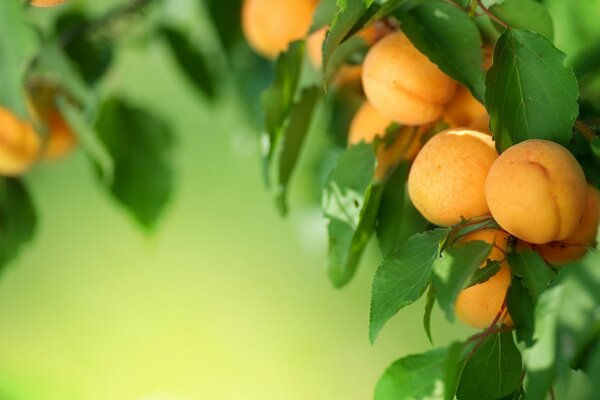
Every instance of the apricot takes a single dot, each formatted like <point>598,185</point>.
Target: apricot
<point>447,179</point>
<point>479,305</point>
<point>463,109</point>
<point>271,25</point>
<point>19,144</point>
<point>45,3</point>
<point>584,237</point>
<point>369,123</point>
<point>536,191</point>
<point>402,84</point>
<point>41,102</point>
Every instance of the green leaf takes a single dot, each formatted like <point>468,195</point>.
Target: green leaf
<point>449,38</point>
<point>92,56</point>
<point>17,42</point>
<point>18,219</point>
<point>413,377</point>
<point>350,202</point>
<point>521,309</point>
<point>191,60</point>
<point>430,302</point>
<point>536,274</point>
<point>403,277</point>
<point>292,140</point>
<point>397,219</point>
<point>455,364</point>
<point>226,18</point>
<point>278,99</point>
<point>493,370</point>
<point>453,271</point>
<point>484,273</point>
<point>140,145</point>
<point>525,14</point>
<point>530,94</point>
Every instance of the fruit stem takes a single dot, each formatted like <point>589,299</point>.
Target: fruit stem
<point>491,15</point>
<point>585,130</point>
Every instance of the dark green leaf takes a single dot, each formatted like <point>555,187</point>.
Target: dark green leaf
<point>484,273</point>
<point>413,377</point>
<point>398,219</point>
<point>530,94</point>
<point>350,202</point>
<point>455,363</point>
<point>292,140</point>
<point>492,371</point>
<point>17,42</point>
<point>450,38</point>
<point>191,60</point>
<point>453,271</point>
<point>226,17</point>
<point>536,274</point>
<point>140,145</point>
<point>521,309</point>
<point>403,277</point>
<point>525,14</point>
<point>430,302</point>
<point>18,219</point>
<point>92,56</point>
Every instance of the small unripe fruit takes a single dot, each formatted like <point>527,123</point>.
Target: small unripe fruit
<point>402,84</point>
<point>447,179</point>
<point>19,144</point>
<point>271,25</point>
<point>369,123</point>
<point>479,305</point>
<point>584,237</point>
<point>463,110</point>
<point>536,191</point>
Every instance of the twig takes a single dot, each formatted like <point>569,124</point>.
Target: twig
<point>491,15</point>
<point>585,130</point>
<point>552,396</point>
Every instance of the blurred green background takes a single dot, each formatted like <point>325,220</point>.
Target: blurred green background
<point>225,301</point>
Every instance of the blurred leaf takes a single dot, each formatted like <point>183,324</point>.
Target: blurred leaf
<point>454,366</point>
<point>350,202</point>
<point>525,14</point>
<point>343,103</point>
<point>536,274</point>
<point>403,276</point>
<point>521,309</point>
<point>484,273</point>
<point>453,270</point>
<point>18,219</point>
<point>397,219</point>
<point>91,56</point>
<point>492,371</point>
<point>278,99</point>
<point>226,18</point>
<point>140,144</point>
<point>530,94</point>
<point>292,140</point>
<point>449,38</point>
<point>191,60</point>
<point>429,303</point>
<point>324,13</point>
<point>16,44</point>
<point>413,377</point>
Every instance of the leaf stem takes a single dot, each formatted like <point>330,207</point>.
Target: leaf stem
<point>585,130</point>
<point>491,15</point>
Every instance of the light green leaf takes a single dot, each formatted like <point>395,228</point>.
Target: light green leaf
<point>536,274</point>
<point>525,14</point>
<point>429,303</point>
<point>530,94</point>
<point>521,309</point>
<point>403,276</point>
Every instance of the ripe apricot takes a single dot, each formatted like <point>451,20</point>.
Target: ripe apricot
<point>479,305</point>
<point>369,123</point>
<point>19,144</point>
<point>45,3</point>
<point>402,84</point>
<point>271,25</point>
<point>447,179</point>
<point>463,109</point>
<point>576,245</point>
<point>536,191</point>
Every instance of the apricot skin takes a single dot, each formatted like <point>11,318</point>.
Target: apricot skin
<point>536,191</point>
<point>271,25</point>
<point>369,123</point>
<point>447,179</point>
<point>575,246</point>
<point>402,84</point>
<point>45,3</point>
<point>479,305</point>
<point>19,144</point>
<point>463,110</point>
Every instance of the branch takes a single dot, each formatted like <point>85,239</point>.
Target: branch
<point>585,130</point>
<point>491,15</point>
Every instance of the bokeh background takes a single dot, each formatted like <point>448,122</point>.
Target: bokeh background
<point>225,300</point>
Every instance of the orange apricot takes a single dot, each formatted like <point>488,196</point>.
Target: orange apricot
<point>45,3</point>
<point>463,110</point>
<point>19,144</point>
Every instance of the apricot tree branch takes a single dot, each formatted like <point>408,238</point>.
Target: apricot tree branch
<point>491,15</point>
<point>585,130</point>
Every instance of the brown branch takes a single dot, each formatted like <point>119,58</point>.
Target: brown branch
<point>491,15</point>
<point>585,130</point>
